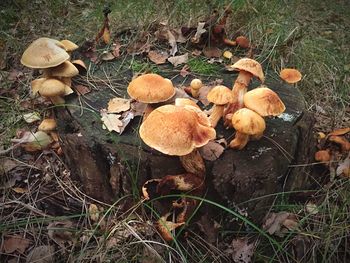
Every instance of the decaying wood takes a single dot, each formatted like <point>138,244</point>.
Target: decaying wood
<point>109,165</point>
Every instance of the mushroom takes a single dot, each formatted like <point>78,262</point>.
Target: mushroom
<point>53,89</point>
<point>220,96</point>
<point>179,130</point>
<point>247,123</point>
<point>264,101</point>
<point>69,46</point>
<point>186,101</point>
<point>44,53</point>
<point>151,89</point>
<point>290,75</point>
<point>165,227</point>
<point>47,125</point>
<point>65,69</point>
<point>195,86</point>
<point>248,68</point>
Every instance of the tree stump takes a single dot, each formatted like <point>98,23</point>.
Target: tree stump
<point>110,165</point>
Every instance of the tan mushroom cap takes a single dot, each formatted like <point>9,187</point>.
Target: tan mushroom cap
<point>47,125</point>
<point>44,53</point>
<point>250,65</point>
<point>151,88</point>
<point>290,75</point>
<point>176,130</point>
<point>65,69</point>
<point>220,95</point>
<point>36,84</point>
<point>264,101</point>
<point>248,122</point>
<point>69,45</point>
<point>52,87</point>
<point>196,84</point>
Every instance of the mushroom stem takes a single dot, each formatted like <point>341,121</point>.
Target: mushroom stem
<point>256,137</point>
<point>57,100</point>
<point>240,140</point>
<point>217,113</point>
<point>193,163</point>
<point>239,89</point>
<point>147,112</point>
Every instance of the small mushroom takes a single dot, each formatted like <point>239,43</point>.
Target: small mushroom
<point>65,69</point>
<point>151,89</point>
<point>264,101</point>
<point>53,89</point>
<point>220,96</point>
<point>195,86</point>
<point>185,101</point>
<point>69,46</point>
<point>290,75</point>
<point>47,125</point>
<point>248,68</point>
<point>246,123</point>
<point>323,156</point>
<point>36,84</point>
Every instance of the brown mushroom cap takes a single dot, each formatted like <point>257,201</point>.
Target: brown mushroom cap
<point>290,75</point>
<point>52,87</point>
<point>176,130</point>
<point>186,102</point>
<point>220,95</point>
<point>264,101</point>
<point>248,122</point>
<point>44,53</point>
<point>69,45</point>
<point>65,69</point>
<point>196,84</point>
<point>250,65</point>
<point>151,88</point>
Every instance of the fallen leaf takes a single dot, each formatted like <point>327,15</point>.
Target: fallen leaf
<point>107,55</point>
<point>81,89</point>
<point>6,165</point>
<point>196,52</point>
<point>138,108</point>
<point>158,57</point>
<point>31,117</point>
<point>199,31</point>
<point>94,213</point>
<point>208,228</point>
<point>111,121</point>
<point>177,60</point>
<point>311,208</point>
<point>117,105</point>
<point>33,142</point>
<point>41,254</point>
<point>278,223</point>
<point>126,120</point>
<point>242,250</point>
<point>116,49</point>
<point>15,243</point>
<point>19,190</point>
<point>343,168</point>
<point>184,71</point>
<point>212,52</point>
<point>202,95</point>
<point>172,43</point>
<point>61,232</point>
<point>211,151</point>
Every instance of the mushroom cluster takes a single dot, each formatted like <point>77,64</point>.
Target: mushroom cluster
<point>52,58</point>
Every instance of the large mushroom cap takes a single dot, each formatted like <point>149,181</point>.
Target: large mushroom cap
<point>220,95</point>
<point>44,53</point>
<point>151,88</point>
<point>176,130</point>
<point>264,101</point>
<point>250,65</point>
<point>65,69</point>
<point>247,121</point>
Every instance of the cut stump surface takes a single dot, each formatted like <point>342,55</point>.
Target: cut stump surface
<point>109,165</point>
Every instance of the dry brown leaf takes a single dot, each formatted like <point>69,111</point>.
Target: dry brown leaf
<point>106,56</point>
<point>242,251</point>
<point>199,31</point>
<point>15,243</point>
<point>81,89</point>
<point>117,105</point>
<point>158,57</point>
<point>41,254</point>
<point>172,43</point>
<point>184,71</point>
<point>19,190</point>
<point>111,121</point>
<point>127,117</point>
<point>116,49</point>
<point>31,117</point>
<point>138,108</point>
<point>61,232</point>
<point>202,95</point>
<point>278,223</point>
<point>343,168</point>
<point>196,52</point>
<point>177,60</point>
<point>211,151</point>
<point>34,142</point>
<point>212,52</point>
<point>7,165</point>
